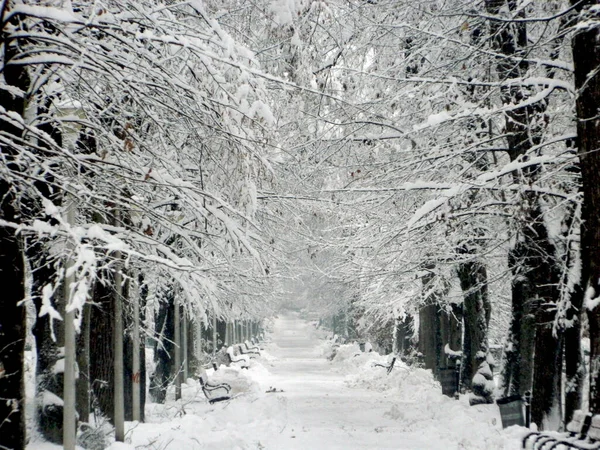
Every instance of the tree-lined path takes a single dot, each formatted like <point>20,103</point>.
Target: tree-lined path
<point>294,397</point>
<point>323,412</point>
<point>422,176</point>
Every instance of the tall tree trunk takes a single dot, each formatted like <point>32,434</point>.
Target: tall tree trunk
<point>195,339</point>
<point>586,59</point>
<point>119,374</point>
<point>48,336</point>
<point>177,349</point>
<point>451,333</point>
<point>428,336</point>
<point>568,320</point>
<point>12,329</point>
<point>404,334</point>
<point>227,340</point>
<point>574,367</point>
<point>48,333</point>
<point>220,334</point>
<point>70,363</point>
<point>164,348</point>
<point>531,260</point>
<point>12,319</point>
<point>85,144</point>
<point>184,348</point>
<point>135,378</point>
<point>476,373</point>
<point>102,346</point>
<point>431,322</point>
<point>83,363</point>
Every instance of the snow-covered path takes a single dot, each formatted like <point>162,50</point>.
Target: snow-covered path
<point>322,411</point>
<point>322,405</point>
<point>318,405</point>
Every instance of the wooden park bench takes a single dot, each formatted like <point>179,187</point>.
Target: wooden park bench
<point>252,347</point>
<point>583,432</point>
<point>232,358</point>
<point>244,350</point>
<point>389,366</point>
<point>214,392</point>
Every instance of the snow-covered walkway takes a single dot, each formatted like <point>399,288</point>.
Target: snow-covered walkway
<point>327,408</point>
<point>323,412</point>
<point>318,405</point>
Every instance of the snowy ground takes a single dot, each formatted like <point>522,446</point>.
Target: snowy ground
<point>319,404</point>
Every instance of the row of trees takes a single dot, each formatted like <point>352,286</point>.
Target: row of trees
<point>448,151</point>
<point>432,164</point>
<point>132,142</point>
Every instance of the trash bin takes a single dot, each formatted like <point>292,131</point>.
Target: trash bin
<point>511,411</point>
<point>449,380</point>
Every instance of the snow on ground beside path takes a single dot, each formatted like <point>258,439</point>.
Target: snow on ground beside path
<point>420,406</point>
<point>294,398</point>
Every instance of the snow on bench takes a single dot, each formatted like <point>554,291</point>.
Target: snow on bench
<point>232,358</point>
<point>246,351</point>
<point>213,392</point>
<point>583,432</point>
<point>252,347</point>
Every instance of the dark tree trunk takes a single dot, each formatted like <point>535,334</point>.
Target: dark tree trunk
<point>531,260</point>
<point>49,415</point>
<point>477,310</point>
<point>43,272</point>
<point>548,371</point>
<point>586,59</point>
<point>194,334</point>
<point>12,330</point>
<point>429,336</point>
<point>535,294</point>
<point>574,367</point>
<point>164,348</point>
<point>83,363</point>
<point>569,320</point>
<point>432,322</point>
<point>404,335</point>
<point>101,347</point>
<point>437,328</point>
<point>85,144</point>
<point>130,376</point>
<point>12,318</point>
<point>221,333</point>
<point>451,334</point>
<point>518,365</point>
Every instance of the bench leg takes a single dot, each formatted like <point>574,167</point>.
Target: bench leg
<point>218,399</point>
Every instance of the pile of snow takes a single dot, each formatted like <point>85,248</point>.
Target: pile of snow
<point>328,347</point>
<point>345,352</point>
<point>420,407</point>
<point>177,424</point>
<point>120,446</point>
<point>266,357</point>
<point>240,380</point>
